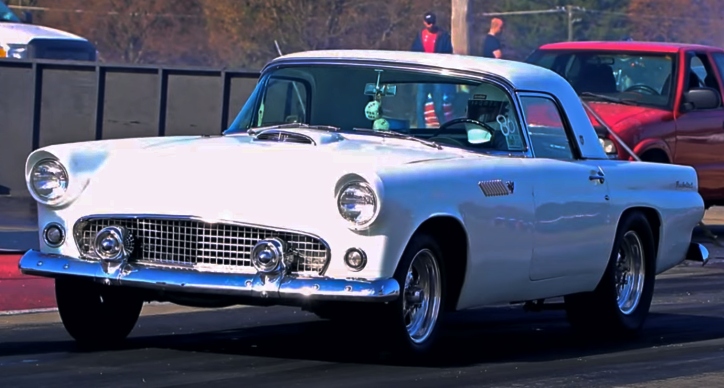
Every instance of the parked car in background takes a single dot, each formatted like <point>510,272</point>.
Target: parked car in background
<point>664,100</point>
<point>23,40</point>
<point>322,195</point>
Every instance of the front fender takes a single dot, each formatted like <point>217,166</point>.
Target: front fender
<point>408,218</point>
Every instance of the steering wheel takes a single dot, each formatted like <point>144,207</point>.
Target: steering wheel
<point>447,124</point>
<point>642,88</point>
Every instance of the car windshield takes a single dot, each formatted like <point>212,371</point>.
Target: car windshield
<point>633,78</point>
<point>6,15</point>
<point>370,100</point>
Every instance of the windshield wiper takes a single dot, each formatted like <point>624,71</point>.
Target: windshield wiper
<point>330,128</point>
<point>398,135</point>
<point>609,98</point>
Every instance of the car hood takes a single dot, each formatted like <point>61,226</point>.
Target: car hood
<point>614,114</point>
<point>326,147</point>
<point>234,177</point>
<point>19,33</point>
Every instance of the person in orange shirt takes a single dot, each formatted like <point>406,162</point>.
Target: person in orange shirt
<point>431,39</point>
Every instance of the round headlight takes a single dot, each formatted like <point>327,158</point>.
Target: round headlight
<point>609,146</point>
<point>49,180</point>
<point>357,203</point>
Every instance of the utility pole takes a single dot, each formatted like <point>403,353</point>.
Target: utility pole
<point>569,9</point>
<point>459,32</point>
<point>571,20</point>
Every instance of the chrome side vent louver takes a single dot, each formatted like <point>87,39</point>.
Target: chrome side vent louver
<point>497,187</point>
<point>284,137</point>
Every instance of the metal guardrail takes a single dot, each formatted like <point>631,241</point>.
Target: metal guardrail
<point>44,102</point>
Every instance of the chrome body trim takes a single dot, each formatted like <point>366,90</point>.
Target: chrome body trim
<point>286,289</point>
<point>166,217</point>
<point>496,187</point>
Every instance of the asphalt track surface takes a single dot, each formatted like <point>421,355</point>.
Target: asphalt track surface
<point>501,346</point>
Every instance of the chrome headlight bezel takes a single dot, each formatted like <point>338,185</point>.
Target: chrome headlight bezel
<point>367,191</point>
<point>60,171</point>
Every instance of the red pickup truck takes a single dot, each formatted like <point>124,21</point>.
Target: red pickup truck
<point>664,100</point>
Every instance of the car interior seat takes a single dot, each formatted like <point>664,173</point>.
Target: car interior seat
<point>595,78</point>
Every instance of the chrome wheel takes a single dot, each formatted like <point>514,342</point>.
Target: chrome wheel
<point>630,272</point>
<point>422,296</point>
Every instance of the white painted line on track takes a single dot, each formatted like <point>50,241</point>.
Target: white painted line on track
<point>29,311</point>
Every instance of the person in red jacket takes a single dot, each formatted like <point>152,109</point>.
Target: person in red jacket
<point>431,39</point>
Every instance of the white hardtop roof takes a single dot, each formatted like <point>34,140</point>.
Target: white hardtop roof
<point>522,76</point>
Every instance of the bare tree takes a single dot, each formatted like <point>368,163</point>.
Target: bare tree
<point>678,21</point>
<point>131,31</point>
<point>244,32</point>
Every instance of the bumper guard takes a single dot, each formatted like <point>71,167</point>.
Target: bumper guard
<point>697,252</point>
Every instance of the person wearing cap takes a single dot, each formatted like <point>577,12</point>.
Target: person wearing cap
<point>431,39</point>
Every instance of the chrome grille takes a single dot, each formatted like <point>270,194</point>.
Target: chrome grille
<point>218,247</point>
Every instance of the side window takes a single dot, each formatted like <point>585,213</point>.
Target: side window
<point>285,101</point>
<point>243,119</point>
<point>719,62</point>
<point>701,73</point>
<point>546,128</point>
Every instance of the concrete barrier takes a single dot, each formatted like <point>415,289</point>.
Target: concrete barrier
<point>53,102</point>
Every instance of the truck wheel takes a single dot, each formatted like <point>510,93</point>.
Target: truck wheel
<point>96,315</point>
<point>620,303</point>
<point>655,157</point>
<point>412,322</point>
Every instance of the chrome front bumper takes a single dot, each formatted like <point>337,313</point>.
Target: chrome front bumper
<point>268,286</point>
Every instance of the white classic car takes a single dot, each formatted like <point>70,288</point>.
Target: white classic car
<point>332,191</point>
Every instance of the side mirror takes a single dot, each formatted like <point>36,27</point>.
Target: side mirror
<point>701,98</point>
<point>27,17</point>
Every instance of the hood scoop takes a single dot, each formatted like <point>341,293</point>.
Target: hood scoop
<point>312,137</point>
<point>284,137</point>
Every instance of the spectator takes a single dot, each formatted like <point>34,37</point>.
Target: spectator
<point>431,39</point>
<point>491,44</point>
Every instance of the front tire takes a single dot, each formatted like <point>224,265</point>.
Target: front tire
<point>413,320</point>
<point>96,315</point>
<point>620,303</point>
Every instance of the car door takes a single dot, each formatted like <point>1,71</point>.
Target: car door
<point>700,132</point>
<point>572,212</point>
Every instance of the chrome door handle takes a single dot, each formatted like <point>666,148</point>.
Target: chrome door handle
<point>597,177</point>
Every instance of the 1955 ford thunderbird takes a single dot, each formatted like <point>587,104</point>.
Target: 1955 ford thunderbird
<point>378,186</point>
